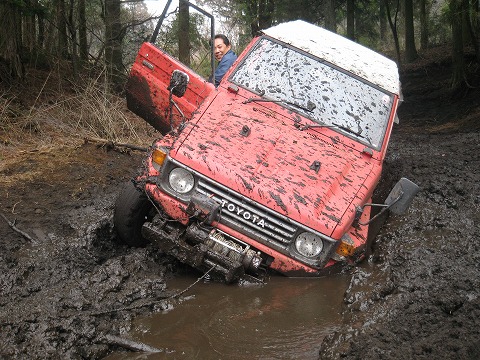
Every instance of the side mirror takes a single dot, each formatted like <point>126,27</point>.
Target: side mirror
<point>397,201</point>
<point>178,83</point>
<point>401,196</point>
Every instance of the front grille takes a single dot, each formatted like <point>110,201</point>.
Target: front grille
<point>249,218</point>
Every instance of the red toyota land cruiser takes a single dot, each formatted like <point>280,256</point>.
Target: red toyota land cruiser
<point>275,168</point>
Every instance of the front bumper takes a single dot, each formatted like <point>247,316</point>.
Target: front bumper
<point>204,248</point>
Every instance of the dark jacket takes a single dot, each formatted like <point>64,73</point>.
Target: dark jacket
<point>227,60</point>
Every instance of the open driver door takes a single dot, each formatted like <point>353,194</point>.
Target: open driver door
<point>147,88</point>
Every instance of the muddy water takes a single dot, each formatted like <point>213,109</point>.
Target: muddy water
<point>283,319</point>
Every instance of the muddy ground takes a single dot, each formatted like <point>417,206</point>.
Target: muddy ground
<point>68,285</point>
<point>418,295</point>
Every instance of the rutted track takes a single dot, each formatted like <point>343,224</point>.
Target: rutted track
<point>417,296</point>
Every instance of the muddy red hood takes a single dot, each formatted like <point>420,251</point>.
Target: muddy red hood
<point>258,152</point>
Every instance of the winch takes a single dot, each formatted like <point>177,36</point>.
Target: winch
<point>204,247</point>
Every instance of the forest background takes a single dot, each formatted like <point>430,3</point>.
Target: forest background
<point>64,63</point>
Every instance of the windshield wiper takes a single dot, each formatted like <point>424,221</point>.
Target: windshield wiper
<point>311,126</point>
<point>338,126</point>
<point>309,108</point>
<point>347,129</point>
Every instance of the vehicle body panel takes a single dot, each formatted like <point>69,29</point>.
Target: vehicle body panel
<point>275,163</point>
<point>277,160</point>
<point>147,88</point>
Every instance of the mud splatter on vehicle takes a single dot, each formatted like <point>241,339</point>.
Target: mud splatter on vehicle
<point>274,169</point>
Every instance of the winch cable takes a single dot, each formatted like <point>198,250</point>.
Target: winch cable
<point>176,295</point>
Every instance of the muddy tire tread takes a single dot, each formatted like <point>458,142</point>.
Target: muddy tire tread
<point>131,210</point>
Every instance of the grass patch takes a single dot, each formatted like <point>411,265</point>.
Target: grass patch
<point>48,111</point>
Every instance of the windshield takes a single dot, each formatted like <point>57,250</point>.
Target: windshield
<point>316,90</point>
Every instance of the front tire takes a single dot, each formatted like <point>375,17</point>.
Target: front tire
<point>132,210</point>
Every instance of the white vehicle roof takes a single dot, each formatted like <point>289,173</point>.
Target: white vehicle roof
<point>339,51</point>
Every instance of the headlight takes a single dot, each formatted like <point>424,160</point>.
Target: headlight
<point>308,244</point>
<point>181,180</point>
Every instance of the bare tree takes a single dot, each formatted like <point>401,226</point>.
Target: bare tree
<point>351,19</point>
<point>329,9</point>
<point>410,49</point>
<point>114,33</point>
<point>423,24</point>
<point>10,41</point>
<point>82,31</point>
<point>183,33</point>
<point>393,26</point>
<point>458,61</point>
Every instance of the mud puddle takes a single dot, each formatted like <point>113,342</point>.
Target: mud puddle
<point>283,319</point>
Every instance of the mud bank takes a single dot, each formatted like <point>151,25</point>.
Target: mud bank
<point>418,296</point>
<point>70,285</point>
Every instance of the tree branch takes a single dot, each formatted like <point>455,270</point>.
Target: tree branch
<point>12,225</point>
<point>128,344</point>
<point>115,144</point>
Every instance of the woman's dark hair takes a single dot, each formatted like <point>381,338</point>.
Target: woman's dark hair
<point>224,38</point>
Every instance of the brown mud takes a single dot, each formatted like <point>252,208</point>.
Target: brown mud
<point>71,286</point>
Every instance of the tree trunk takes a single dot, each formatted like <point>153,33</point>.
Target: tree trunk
<point>466,25</point>
<point>72,29</point>
<point>458,61</point>
<point>41,32</point>
<point>329,10</point>
<point>410,50</point>
<point>184,33</point>
<point>113,43</point>
<point>62,29</point>
<point>252,6</point>
<point>476,11</point>
<point>383,24</point>
<point>10,42</point>
<point>265,13</point>
<point>50,36</point>
<point>393,27</point>
<point>82,31</point>
<point>469,34</point>
<point>259,14</point>
<point>29,30</point>
<point>351,19</point>
<point>423,25</point>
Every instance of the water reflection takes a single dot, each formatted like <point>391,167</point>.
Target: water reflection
<point>284,319</point>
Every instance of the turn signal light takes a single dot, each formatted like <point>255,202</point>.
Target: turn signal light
<point>346,247</point>
<point>159,156</point>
